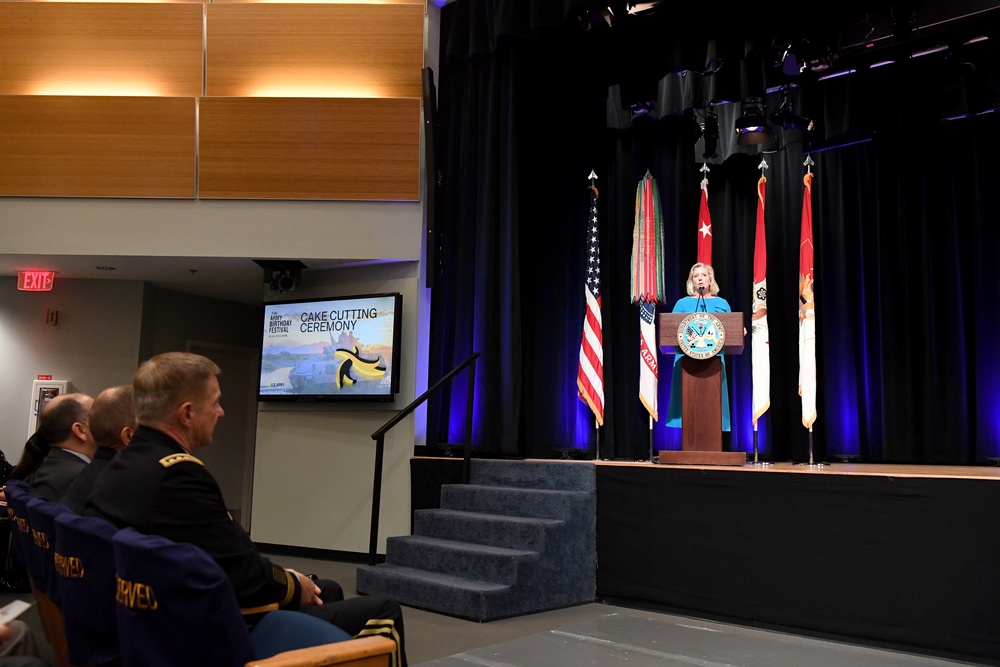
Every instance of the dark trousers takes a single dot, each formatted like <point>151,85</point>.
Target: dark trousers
<point>368,614</point>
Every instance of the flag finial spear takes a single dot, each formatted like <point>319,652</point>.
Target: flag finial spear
<point>808,163</point>
<point>593,175</point>
<point>704,179</point>
<point>762,166</point>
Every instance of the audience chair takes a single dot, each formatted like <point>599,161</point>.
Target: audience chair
<point>40,563</point>
<point>18,493</point>
<point>176,608</point>
<point>85,569</point>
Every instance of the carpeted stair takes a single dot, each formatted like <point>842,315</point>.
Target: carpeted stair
<point>519,538</point>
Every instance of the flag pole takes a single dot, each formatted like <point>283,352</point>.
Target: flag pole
<point>597,440</point>
<point>807,307</point>
<point>760,337</point>
<point>651,438</point>
<point>590,371</point>
<point>647,289</point>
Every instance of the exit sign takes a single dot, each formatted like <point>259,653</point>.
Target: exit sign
<point>35,281</point>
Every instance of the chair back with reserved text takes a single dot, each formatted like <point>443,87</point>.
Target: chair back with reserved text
<point>41,562</point>
<point>85,566</point>
<point>175,606</point>
<point>18,493</point>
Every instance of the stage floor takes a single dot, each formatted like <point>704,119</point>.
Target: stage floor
<point>878,469</point>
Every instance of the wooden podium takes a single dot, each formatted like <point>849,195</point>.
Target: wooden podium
<point>701,394</point>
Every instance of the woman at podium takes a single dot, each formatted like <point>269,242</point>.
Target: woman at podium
<point>703,297</point>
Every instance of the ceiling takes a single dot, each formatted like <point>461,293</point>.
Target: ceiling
<point>229,278</point>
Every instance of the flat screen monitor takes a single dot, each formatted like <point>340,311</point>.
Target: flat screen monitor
<point>333,349</point>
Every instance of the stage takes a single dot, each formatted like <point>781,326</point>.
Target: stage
<point>904,555</point>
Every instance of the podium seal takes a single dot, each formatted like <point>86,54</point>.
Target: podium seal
<point>701,335</point>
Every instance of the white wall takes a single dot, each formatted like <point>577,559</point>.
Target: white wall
<point>206,228</point>
<point>95,344</point>
<point>314,467</point>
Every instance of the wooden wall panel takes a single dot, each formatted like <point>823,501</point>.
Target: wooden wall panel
<point>309,50</point>
<point>265,148</point>
<point>321,2</point>
<point>76,146</point>
<point>79,48</point>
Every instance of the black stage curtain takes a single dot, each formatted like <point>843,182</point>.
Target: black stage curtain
<point>904,222</point>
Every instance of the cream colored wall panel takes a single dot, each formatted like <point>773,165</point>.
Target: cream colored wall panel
<point>79,48</point>
<point>309,50</point>
<point>265,148</point>
<point>72,146</point>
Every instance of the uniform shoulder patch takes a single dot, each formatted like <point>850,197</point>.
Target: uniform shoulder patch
<point>174,459</point>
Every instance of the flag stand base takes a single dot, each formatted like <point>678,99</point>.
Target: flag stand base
<point>755,461</point>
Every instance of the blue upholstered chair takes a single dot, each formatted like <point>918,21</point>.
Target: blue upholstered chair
<point>18,493</point>
<point>173,607</point>
<point>41,561</point>
<point>85,568</point>
<point>33,519</point>
<point>176,608</point>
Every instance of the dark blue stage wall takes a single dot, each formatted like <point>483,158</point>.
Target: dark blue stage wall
<point>888,559</point>
<point>904,226</point>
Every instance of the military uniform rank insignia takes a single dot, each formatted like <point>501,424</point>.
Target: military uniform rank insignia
<point>174,459</point>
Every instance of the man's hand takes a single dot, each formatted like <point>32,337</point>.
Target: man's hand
<point>310,591</point>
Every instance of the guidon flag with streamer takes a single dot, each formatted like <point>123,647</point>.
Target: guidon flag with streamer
<point>647,284</point>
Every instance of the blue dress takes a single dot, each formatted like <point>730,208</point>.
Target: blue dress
<point>687,305</point>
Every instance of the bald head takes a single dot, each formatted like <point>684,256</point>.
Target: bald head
<point>62,415</point>
<point>112,417</point>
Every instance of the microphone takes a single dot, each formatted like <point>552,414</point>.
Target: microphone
<point>701,300</point>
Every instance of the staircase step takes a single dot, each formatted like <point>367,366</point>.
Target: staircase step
<point>481,528</point>
<point>535,474</point>
<point>434,591</point>
<point>463,559</point>
<point>511,501</point>
<point>520,539</point>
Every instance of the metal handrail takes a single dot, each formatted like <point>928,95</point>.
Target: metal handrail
<point>379,438</point>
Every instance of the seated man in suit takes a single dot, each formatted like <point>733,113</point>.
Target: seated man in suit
<point>112,423</point>
<point>65,425</point>
<point>157,486</point>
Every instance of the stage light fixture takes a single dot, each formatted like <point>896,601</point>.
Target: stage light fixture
<point>790,64</point>
<point>751,127</point>
<point>785,117</point>
<point>642,108</point>
<point>711,134</point>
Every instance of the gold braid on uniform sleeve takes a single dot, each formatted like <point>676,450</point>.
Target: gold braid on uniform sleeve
<point>290,581</point>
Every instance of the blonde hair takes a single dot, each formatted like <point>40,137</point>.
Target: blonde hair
<point>713,287</point>
<point>167,380</point>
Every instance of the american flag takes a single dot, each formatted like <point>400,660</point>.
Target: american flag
<point>590,376</point>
